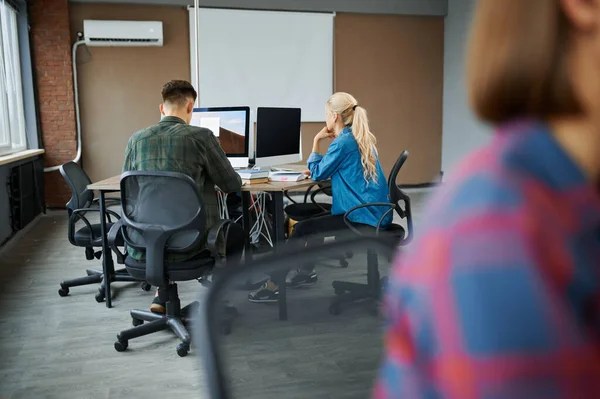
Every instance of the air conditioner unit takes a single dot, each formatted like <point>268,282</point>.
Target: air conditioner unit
<point>123,33</point>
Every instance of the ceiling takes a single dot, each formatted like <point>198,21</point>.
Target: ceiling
<point>407,7</point>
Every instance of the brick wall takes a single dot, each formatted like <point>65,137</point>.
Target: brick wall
<point>51,43</point>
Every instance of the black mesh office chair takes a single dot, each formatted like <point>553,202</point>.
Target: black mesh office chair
<point>313,355</point>
<point>88,236</point>
<point>155,221</point>
<point>299,211</point>
<point>393,234</point>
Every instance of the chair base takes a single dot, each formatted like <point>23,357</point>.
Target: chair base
<point>96,276</point>
<point>348,292</point>
<point>176,318</point>
<point>158,322</point>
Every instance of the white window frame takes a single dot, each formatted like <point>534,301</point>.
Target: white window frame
<point>13,137</point>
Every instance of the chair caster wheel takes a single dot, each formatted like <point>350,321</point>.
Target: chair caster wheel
<point>349,255</point>
<point>121,346</point>
<point>99,297</point>
<point>137,322</point>
<point>63,291</point>
<point>146,287</point>
<point>335,309</point>
<point>343,264</point>
<point>183,349</point>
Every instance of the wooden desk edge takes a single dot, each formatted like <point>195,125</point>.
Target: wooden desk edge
<point>113,184</point>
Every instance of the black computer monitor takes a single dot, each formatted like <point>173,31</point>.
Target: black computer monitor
<point>278,136</point>
<point>231,126</point>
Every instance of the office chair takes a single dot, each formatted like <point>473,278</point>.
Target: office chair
<point>394,235</point>
<point>89,237</point>
<point>299,212</point>
<point>311,356</point>
<point>152,222</point>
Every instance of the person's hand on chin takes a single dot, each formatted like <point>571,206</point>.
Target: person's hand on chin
<point>324,134</point>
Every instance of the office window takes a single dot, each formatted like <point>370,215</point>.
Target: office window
<point>12,115</point>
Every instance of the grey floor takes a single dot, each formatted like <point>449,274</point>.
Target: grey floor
<point>53,347</point>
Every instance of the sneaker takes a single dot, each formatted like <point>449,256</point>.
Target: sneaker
<point>265,294</point>
<point>158,306</point>
<point>299,278</point>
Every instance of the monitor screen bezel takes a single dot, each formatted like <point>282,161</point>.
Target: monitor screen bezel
<point>247,127</point>
<point>281,158</point>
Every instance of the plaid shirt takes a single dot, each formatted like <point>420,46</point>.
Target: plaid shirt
<point>174,146</point>
<point>499,297</point>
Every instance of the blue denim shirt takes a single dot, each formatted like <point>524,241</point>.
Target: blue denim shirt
<point>342,165</point>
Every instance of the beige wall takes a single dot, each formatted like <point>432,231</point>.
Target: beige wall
<point>393,65</point>
<point>119,87</point>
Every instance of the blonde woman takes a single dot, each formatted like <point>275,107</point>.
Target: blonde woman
<point>357,178</point>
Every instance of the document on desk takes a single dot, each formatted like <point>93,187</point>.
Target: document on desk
<point>287,176</point>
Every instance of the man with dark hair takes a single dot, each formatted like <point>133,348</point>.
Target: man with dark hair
<point>174,145</point>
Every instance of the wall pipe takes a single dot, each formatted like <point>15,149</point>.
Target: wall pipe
<point>77,116</point>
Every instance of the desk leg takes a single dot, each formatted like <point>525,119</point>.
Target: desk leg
<point>279,239</point>
<point>246,223</point>
<point>107,261</point>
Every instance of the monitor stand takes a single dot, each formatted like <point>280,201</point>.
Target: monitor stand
<point>275,169</point>
<point>268,168</point>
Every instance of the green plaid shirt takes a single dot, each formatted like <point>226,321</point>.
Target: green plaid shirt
<point>174,146</point>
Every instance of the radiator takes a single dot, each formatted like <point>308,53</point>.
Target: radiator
<point>25,183</point>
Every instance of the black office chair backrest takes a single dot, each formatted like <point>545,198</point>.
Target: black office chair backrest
<point>312,355</point>
<point>397,196</point>
<point>161,211</point>
<point>395,192</point>
<point>78,181</point>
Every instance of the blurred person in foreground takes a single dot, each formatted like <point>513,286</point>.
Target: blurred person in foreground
<point>499,297</point>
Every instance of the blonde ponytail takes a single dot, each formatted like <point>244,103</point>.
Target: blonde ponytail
<point>355,116</point>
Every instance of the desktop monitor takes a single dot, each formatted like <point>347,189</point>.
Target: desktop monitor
<point>278,136</point>
<point>231,126</point>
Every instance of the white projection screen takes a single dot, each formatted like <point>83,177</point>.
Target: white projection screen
<point>264,59</point>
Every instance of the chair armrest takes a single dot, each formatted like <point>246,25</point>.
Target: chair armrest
<point>287,195</point>
<point>112,237</point>
<point>74,218</point>
<point>78,214</point>
<point>108,211</point>
<point>382,219</point>
<point>212,241</point>
<point>312,199</point>
<point>108,202</point>
<point>306,193</point>
<point>387,204</point>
